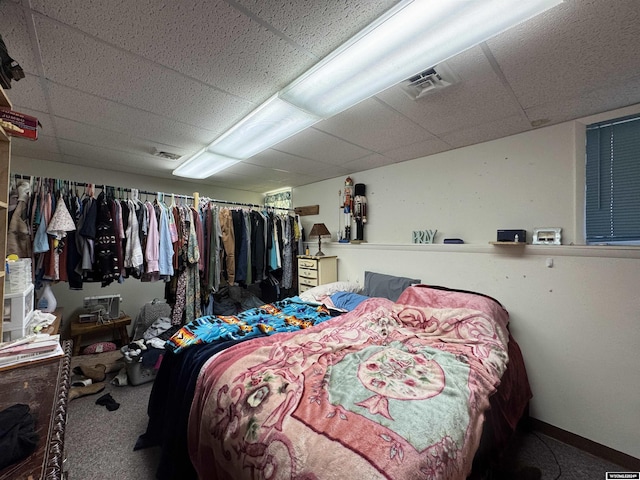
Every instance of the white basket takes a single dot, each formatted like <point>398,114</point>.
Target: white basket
<point>18,275</point>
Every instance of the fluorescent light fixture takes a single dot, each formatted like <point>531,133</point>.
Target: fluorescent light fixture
<point>272,122</point>
<point>411,37</point>
<point>204,164</point>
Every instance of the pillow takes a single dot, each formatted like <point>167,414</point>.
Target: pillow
<point>347,300</point>
<point>99,347</point>
<point>386,286</point>
<point>315,294</point>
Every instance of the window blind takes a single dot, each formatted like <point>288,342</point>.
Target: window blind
<point>612,203</point>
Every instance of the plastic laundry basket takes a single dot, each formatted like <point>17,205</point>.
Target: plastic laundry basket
<point>138,374</point>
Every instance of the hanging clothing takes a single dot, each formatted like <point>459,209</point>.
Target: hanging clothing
<point>133,258</point>
<point>152,245</point>
<point>105,246</point>
<point>165,251</point>
<point>19,232</point>
<point>229,243</point>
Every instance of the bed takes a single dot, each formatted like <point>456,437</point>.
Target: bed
<point>394,388</point>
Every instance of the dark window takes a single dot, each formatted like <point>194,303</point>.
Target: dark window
<point>612,203</point>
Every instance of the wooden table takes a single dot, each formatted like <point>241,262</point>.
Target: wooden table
<point>44,386</point>
<point>79,330</point>
<point>54,328</point>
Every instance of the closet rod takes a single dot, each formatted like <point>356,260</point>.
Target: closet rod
<point>164,194</point>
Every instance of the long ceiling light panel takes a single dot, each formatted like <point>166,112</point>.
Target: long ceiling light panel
<point>204,164</point>
<point>409,38</point>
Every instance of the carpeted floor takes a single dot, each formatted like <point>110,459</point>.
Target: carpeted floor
<point>99,444</point>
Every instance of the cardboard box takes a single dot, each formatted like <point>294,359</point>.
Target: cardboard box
<point>27,123</point>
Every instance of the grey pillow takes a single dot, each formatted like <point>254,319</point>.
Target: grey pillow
<point>386,286</point>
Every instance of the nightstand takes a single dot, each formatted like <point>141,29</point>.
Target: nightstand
<point>314,271</point>
<point>80,330</point>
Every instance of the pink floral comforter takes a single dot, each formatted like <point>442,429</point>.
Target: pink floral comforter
<point>389,390</point>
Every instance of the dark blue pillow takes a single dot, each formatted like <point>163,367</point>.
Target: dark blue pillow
<point>386,286</point>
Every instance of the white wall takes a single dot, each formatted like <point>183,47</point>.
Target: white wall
<point>578,323</point>
<point>134,293</point>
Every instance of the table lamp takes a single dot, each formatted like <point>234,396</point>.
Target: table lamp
<point>318,230</point>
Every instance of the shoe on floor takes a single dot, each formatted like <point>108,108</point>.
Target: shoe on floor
<point>121,379</point>
<point>77,392</point>
<point>97,373</point>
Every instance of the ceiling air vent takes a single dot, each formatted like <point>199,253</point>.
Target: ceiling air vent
<point>165,154</point>
<point>429,81</point>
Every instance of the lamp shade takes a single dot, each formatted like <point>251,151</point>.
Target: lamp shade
<point>319,230</point>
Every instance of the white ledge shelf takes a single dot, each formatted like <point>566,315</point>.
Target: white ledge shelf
<point>602,251</point>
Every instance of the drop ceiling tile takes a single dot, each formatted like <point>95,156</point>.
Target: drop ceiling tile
<point>113,141</point>
<point>229,180</point>
<point>45,148</point>
<point>318,145</point>
<point>166,133</point>
<point>369,162</point>
<point>488,131</point>
<point>78,61</point>
<point>574,48</point>
<point>209,41</point>
<point>285,162</point>
<point>27,93</point>
<point>118,160</point>
<point>611,97</point>
<point>248,169</point>
<point>244,173</point>
<point>478,97</point>
<point>18,160</point>
<point>319,26</point>
<point>332,172</point>
<point>417,150</point>
<point>383,130</point>
<point>13,25</point>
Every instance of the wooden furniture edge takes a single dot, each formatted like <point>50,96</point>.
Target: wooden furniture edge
<point>586,445</point>
<point>55,454</point>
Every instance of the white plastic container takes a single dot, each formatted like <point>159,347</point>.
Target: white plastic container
<point>17,313</point>
<point>18,275</point>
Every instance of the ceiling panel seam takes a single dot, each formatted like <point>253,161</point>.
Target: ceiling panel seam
<point>245,11</point>
<point>503,79</point>
<point>37,53</point>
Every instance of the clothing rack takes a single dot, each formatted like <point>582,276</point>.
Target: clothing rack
<point>195,196</point>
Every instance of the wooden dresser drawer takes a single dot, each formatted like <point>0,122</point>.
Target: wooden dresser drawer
<point>306,273</point>
<point>304,288</point>
<point>312,282</point>
<point>307,263</point>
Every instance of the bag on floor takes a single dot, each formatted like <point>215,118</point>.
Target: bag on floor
<point>149,313</point>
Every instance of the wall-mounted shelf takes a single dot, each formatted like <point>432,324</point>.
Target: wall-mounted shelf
<point>507,243</point>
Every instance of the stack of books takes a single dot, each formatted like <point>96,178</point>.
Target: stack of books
<point>29,349</point>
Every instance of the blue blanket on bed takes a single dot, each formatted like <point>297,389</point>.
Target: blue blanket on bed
<point>285,315</point>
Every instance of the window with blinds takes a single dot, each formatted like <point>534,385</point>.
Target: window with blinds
<point>612,203</point>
